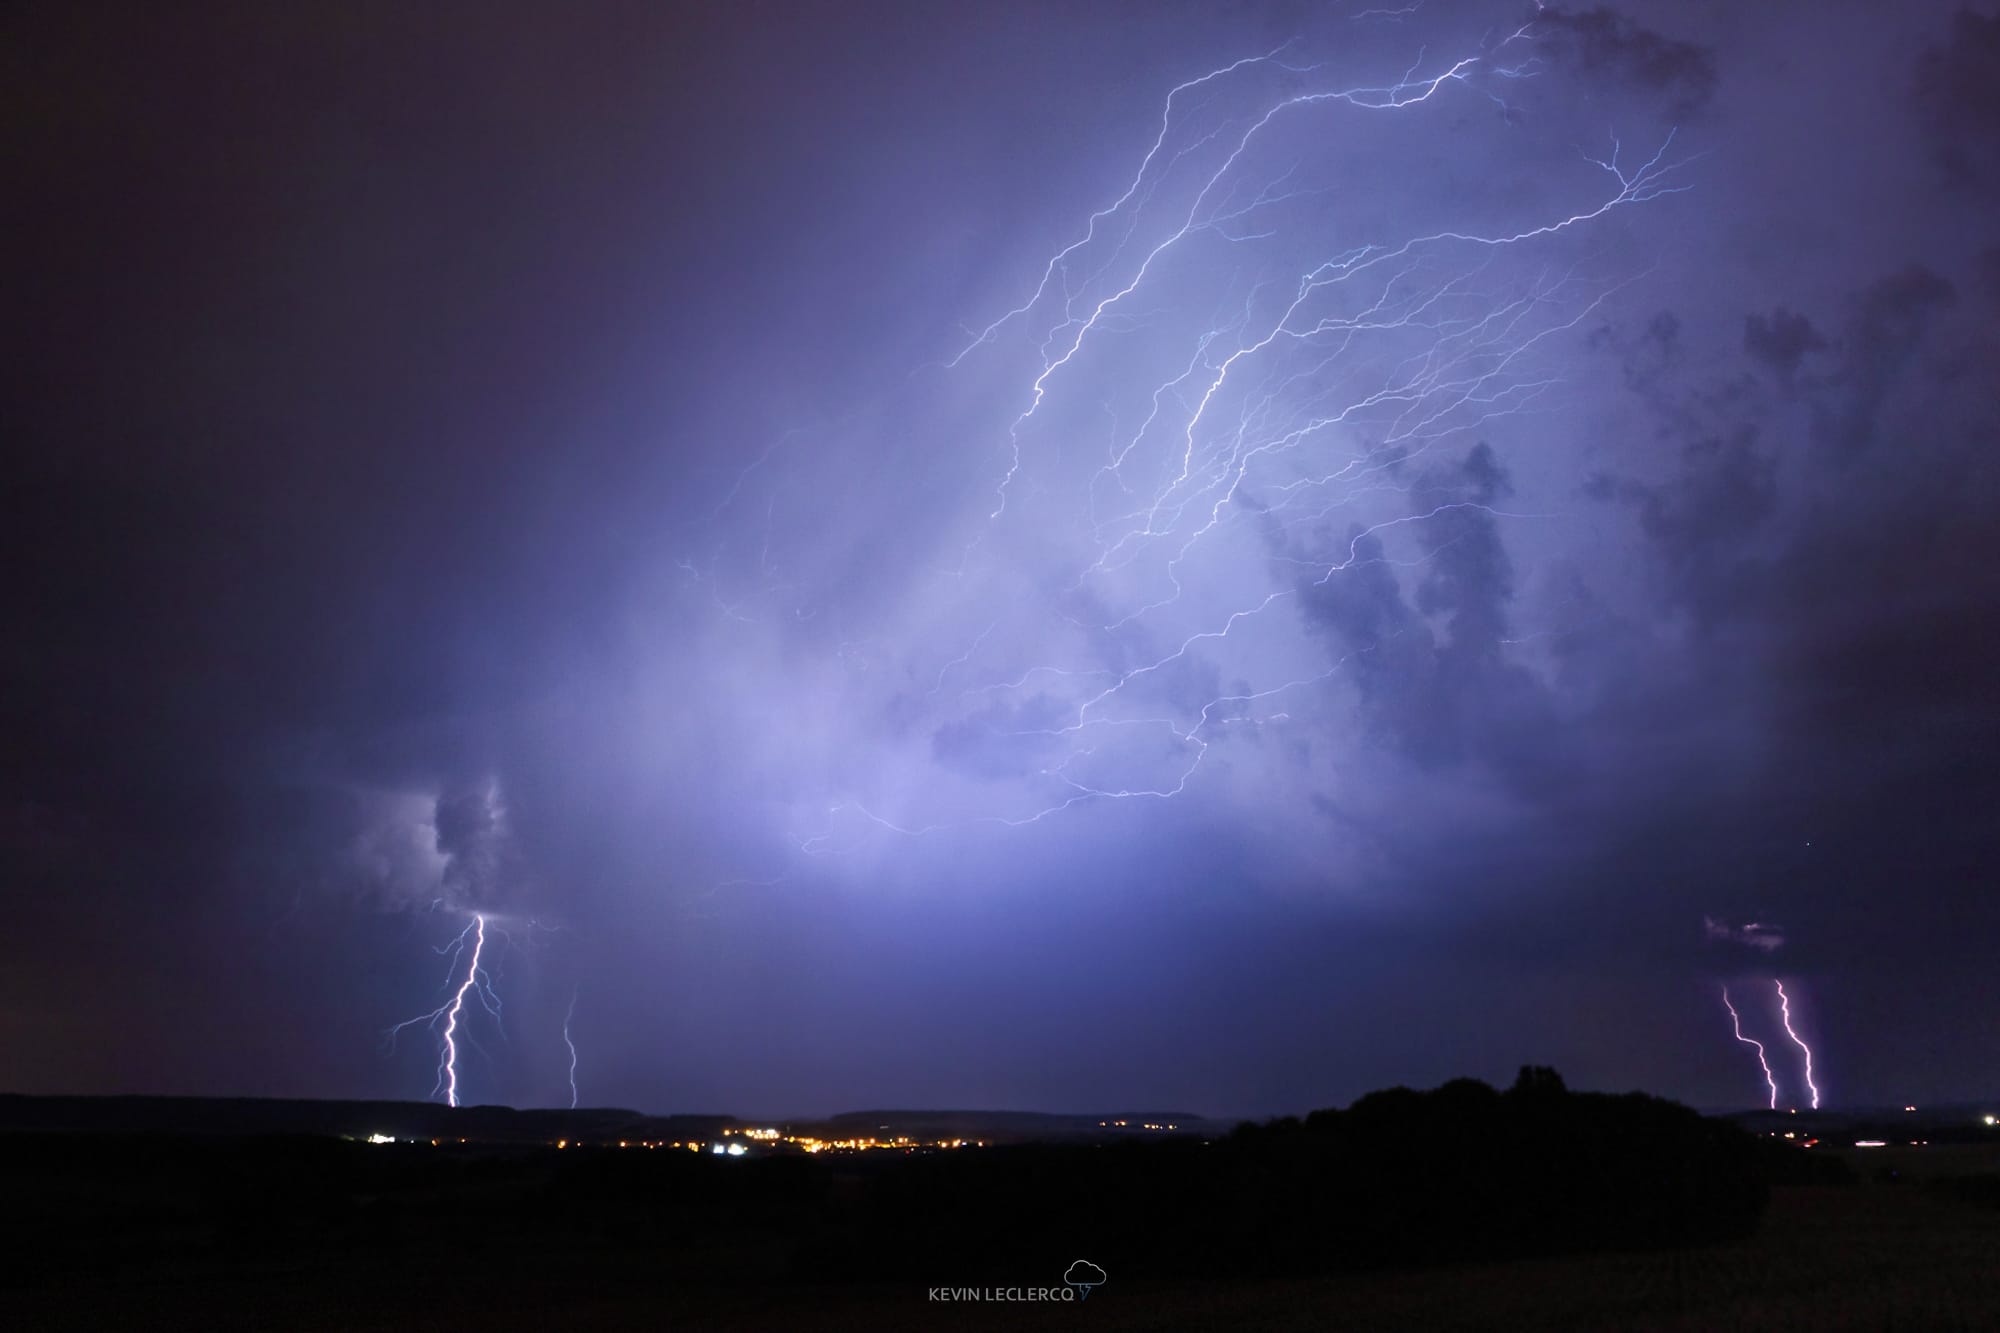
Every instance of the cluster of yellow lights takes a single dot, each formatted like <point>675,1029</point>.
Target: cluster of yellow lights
<point>865,1144</point>
<point>862,1145</point>
<point>805,1142</point>
<point>391,1138</point>
<point>1126,1124</point>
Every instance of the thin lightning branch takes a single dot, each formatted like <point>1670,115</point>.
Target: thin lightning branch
<point>571,1043</point>
<point>1785,1010</point>
<point>1055,264</point>
<point>1737,1023</point>
<point>1404,93</point>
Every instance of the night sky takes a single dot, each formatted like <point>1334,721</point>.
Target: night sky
<point>936,555</point>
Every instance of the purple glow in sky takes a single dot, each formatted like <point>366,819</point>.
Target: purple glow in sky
<point>1022,556</point>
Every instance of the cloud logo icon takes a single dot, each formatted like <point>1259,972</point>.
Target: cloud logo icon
<point>1083,1275</point>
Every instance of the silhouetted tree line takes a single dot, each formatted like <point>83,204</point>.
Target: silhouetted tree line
<point>1400,1177</point>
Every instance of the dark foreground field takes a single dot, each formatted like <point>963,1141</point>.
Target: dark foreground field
<point>1461,1208</point>
<point>1869,1257</point>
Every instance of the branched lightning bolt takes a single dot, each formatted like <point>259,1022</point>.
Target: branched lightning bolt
<point>448,1013</point>
<point>1403,93</point>
<point>1055,264</point>
<point>1785,1011</point>
<point>448,1070</point>
<point>1737,1023</point>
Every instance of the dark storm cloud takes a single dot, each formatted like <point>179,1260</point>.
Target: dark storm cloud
<point>1431,667</point>
<point>1779,341</point>
<point>1893,315</point>
<point>482,868</point>
<point>1834,547</point>
<point>1988,275</point>
<point>1708,525</point>
<point>1704,524</point>
<point>1612,46</point>
<point>1957,93</point>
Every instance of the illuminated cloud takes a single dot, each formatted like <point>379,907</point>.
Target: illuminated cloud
<point>1761,936</point>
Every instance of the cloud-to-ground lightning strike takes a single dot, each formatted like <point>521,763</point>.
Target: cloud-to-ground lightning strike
<point>1736,1022</point>
<point>449,1012</point>
<point>1785,1011</point>
<point>570,1041</point>
<point>1291,368</point>
<point>448,1070</point>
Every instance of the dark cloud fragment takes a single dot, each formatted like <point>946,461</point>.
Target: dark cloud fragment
<point>482,865</point>
<point>1780,342</point>
<point>1957,92</point>
<point>1988,271</point>
<point>1843,554</point>
<point>1704,524</point>
<point>1602,41</point>
<point>1431,668</point>
<point>1892,317</point>
<point>1763,936</point>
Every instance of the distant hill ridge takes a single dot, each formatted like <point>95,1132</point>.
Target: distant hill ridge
<point>353,1119</point>
<point>144,1114</point>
